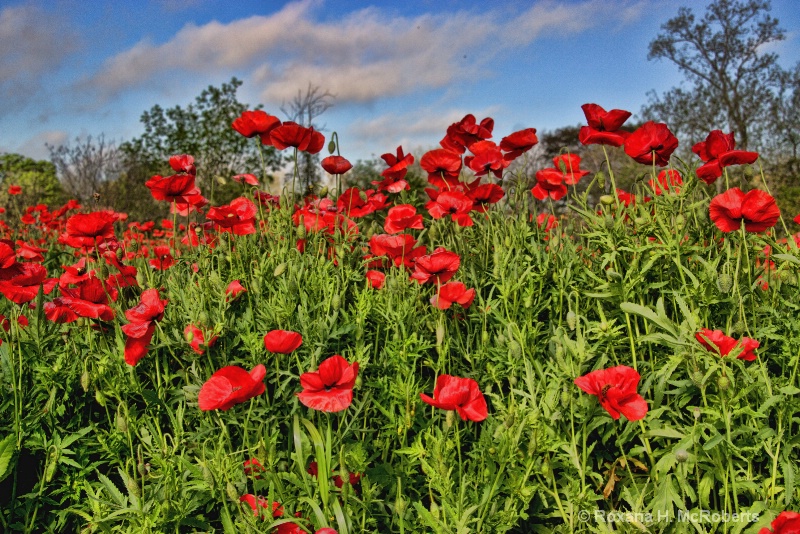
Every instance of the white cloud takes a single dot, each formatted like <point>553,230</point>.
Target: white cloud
<point>364,56</point>
<point>35,147</point>
<point>31,50</point>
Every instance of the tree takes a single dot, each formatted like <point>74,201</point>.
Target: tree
<point>36,178</point>
<point>203,130</point>
<point>731,78</point>
<point>86,167</point>
<point>304,110</point>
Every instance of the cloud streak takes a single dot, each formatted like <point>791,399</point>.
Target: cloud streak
<point>31,51</point>
<point>364,56</point>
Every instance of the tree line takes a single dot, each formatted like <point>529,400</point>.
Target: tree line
<point>732,82</point>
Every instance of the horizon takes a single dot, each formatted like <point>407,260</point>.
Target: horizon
<point>400,76</point>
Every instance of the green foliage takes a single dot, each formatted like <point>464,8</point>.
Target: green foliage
<point>203,130</point>
<point>37,179</point>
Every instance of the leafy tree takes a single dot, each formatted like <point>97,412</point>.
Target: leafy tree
<point>36,178</point>
<point>731,80</point>
<point>203,130</point>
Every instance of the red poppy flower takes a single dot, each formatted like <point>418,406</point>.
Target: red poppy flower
<point>464,133</point>
<point>23,282</point>
<point>183,163</point>
<point>336,165</point>
<point>487,158</point>
<point>402,217</point>
<point>716,341</point>
<point>717,151</point>
<point>249,179</point>
<point>230,386</point>
<point>546,222</point>
<point>453,292</point>
<point>178,188</point>
<point>330,388</point>
<point>14,190</point>
<point>549,183</point>
<point>616,390</point>
<point>291,134</point>
<point>89,229</point>
<point>401,249</point>
<point>460,394</point>
<point>142,325</point>
<point>375,279</point>
<point>8,257</point>
<point>484,196</point>
<point>651,143</point>
<point>436,268</point>
<point>253,123</point>
<point>28,252</point>
<point>282,341</point>
<point>163,259</point>
<point>666,181</point>
<point>238,217</point>
<point>197,339</point>
<point>394,176</point>
<point>756,208</point>
<point>260,505</point>
<point>441,163</point>
<point>253,467</point>
<point>89,299</point>
<point>786,523</point>
<point>357,203</point>
<point>453,203</point>
<point>604,126</point>
<point>233,290</point>
<point>517,143</point>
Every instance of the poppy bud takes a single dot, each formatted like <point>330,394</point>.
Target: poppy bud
<point>130,483</point>
<point>336,301</point>
<point>400,505</point>
<point>485,337</point>
<point>133,245</point>
<point>603,326</point>
<point>140,279</point>
<point>279,270</point>
<point>723,383</point>
<point>434,506</point>
<point>724,282</point>
<point>697,413</point>
<point>331,146</point>
<point>608,220</point>
<point>565,397</point>
<point>432,232</point>
<point>230,490</point>
<point>697,378</point>
<point>508,241</point>
<point>545,467</point>
<point>202,318</point>
<point>143,469</point>
<point>514,349</point>
<point>640,221</point>
<point>220,180</point>
<point>449,418</point>
<point>680,220</point>
<point>323,192</point>
<point>85,380</point>
<point>120,254</point>
<point>528,302</point>
<point>748,171</point>
<point>121,422</point>
<point>607,200</point>
<point>100,397</point>
<point>439,334</point>
<point>554,241</point>
<point>600,178</point>
<point>572,320</point>
<point>681,455</point>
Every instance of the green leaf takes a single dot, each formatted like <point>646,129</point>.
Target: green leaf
<point>7,450</point>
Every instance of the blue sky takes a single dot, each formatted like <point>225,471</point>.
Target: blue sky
<point>400,74</point>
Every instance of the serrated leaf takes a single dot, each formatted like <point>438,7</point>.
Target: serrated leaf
<point>112,490</point>
<point>7,450</point>
<point>788,482</point>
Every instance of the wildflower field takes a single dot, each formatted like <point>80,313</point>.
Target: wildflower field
<point>501,352</point>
